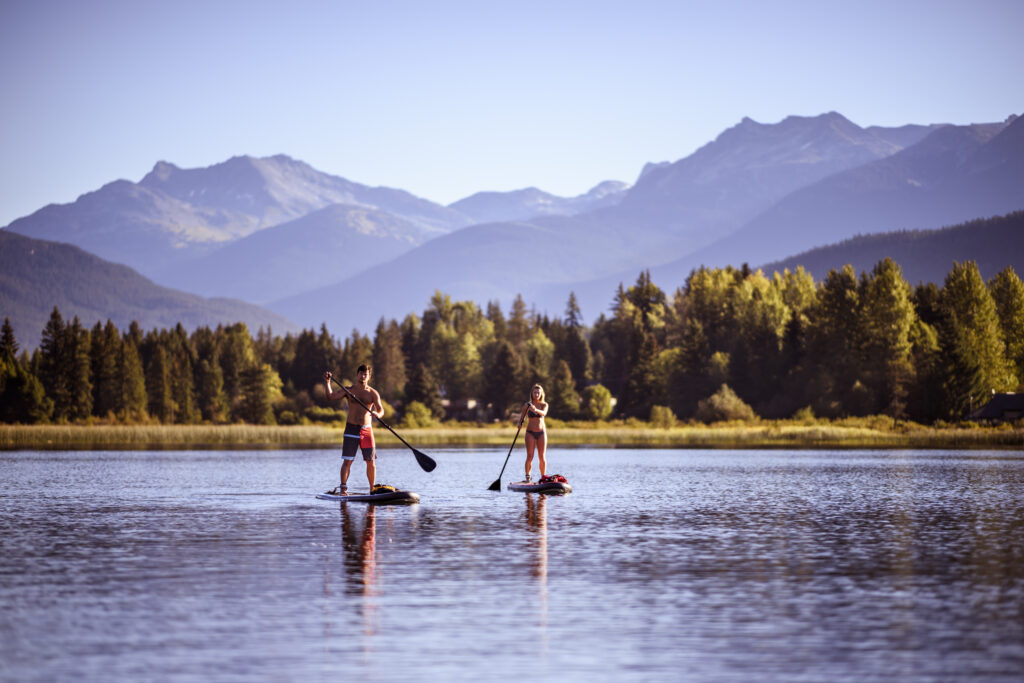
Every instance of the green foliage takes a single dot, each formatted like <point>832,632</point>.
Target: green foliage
<point>563,401</point>
<point>662,417</point>
<point>596,403</point>
<point>418,415</point>
<point>724,405</point>
<point>972,342</point>
<point>1008,293</point>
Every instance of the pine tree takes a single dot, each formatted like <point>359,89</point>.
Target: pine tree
<point>389,361</point>
<point>103,358</point>
<point>79,370</point>
<point>158,386</point>
<point>564,402</point>
<point>55,358</point>
<point>8,344</point>
<point>887,316</point>
<point>497,319</point>
<point>834,343</point>
<point>131,380</point>
<point>22,399</point>
<point>518,324</point>
<point>261,387</point>
<point>1008,293</point>
<point>213,403</point>
<point>422,387</point>
<point>501,379</point>
<point>972,342</point>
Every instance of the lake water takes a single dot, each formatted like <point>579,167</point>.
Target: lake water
<point>661,565</point>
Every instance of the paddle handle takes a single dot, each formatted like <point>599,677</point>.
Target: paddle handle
<point>367,409</point>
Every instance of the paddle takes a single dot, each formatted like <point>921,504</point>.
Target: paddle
<point>424,460</point>
<point>496,486</point>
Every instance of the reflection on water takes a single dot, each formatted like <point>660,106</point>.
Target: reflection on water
<point>537,523</point>
<point>661,565</point>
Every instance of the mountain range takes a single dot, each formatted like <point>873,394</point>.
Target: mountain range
<point>317,248</point>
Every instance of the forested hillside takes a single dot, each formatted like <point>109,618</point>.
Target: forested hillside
<point>924,255</point>
<point>728,344</point>
<point>36,275</point>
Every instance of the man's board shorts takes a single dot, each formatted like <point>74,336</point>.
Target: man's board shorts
<point>358,436</point>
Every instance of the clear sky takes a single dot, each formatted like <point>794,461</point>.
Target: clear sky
<point>447,98</point>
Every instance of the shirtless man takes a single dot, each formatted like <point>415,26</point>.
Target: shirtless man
<point>358,426</point>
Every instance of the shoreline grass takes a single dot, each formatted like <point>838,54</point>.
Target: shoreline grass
<point>873,432</point>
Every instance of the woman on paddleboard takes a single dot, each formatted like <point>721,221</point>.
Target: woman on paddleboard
<point>534,410</point>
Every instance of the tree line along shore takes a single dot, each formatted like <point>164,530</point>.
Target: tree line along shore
<point>730,344</point>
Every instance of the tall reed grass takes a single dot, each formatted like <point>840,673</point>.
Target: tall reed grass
<point>873,432</point>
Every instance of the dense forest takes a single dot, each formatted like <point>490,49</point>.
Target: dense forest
<point>730,343</point>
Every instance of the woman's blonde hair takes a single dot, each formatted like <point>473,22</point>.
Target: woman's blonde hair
<point>537,386</point>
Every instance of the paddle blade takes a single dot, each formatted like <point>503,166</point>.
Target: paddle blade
<point>496,486</point>
<point>425,461</point>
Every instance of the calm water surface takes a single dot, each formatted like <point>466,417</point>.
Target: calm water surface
<point>661,565</point>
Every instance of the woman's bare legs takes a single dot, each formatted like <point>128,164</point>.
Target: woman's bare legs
<point>542,447</point>
<point>531,443</point>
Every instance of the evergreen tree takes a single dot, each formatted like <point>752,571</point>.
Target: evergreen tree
<point>497,319</point>
<point>501,379</point>
<point>518,324</point>
<point>261,387</point>
<point>211,399</point>
<point>79,370</point>
<point>182,360</point>
<point>422,387</point>
<point>22,399</point>
<point>8,344</point>
<point>158,386</point>
<point>1008,293</point>
<point>574,349</point>
<point>538,355</point>
<point>310,363</point>
<point>131,380</point>
<point>971,341</point>
<point>55,358</point>
<point>834,343</point>
<point>563,401</point>
<point>887,317</point>
<point>389,361</point>
<point>103,358</point>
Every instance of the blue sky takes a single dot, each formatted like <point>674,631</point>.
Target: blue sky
<point>445,99</point>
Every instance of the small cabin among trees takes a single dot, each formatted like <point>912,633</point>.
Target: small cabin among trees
<point>1002,407</point>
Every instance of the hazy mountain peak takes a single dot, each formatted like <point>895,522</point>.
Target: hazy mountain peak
<point>531,202</point>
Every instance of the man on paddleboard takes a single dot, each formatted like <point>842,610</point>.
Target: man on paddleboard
<point>358,425</point>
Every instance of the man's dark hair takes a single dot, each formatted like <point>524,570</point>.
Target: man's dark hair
<point>365,366</point>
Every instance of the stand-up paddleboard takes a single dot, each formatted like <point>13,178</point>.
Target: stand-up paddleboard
<point>387,498</point>
<point>540,487</point>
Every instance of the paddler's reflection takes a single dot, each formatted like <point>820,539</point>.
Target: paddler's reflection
<point>537,522</point>
<point>360,556</point>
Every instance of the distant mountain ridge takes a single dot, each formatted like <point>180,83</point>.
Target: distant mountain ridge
<point>520,205</point>
<point>752,165</point>
<point>677,215</point>
<point>955,174</point>
<point>276,230</point>
<point>173,216</point>
<point>36,275</point>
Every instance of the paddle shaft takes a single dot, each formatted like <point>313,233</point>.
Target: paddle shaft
<point>425,461</point>
<point>514,439</point>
